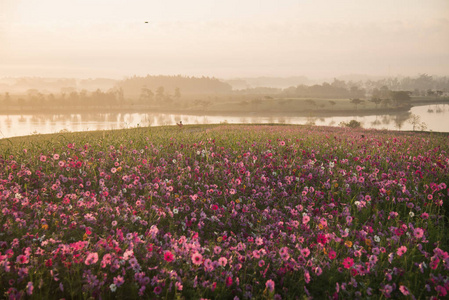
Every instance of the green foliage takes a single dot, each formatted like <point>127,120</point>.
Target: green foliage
<point>351,124</point>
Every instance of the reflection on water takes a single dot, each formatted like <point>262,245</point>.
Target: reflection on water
<point>435,117</point>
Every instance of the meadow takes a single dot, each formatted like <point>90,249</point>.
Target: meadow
<point>225,212</point>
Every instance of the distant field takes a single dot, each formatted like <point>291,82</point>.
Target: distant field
<point>221,211</point>
<point>228,104</point>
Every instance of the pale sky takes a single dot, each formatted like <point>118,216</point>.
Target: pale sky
<point>225,39</point>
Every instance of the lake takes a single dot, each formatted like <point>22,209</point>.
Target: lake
<point>435,117</point>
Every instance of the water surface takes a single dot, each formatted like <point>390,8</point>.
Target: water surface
<point>434,117</point>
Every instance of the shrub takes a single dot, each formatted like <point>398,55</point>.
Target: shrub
<point>351,124</point>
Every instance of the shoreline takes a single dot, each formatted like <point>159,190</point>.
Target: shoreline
<point>241,112</point>
<point>200,112</point>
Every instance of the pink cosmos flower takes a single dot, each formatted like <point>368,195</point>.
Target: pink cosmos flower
<point>270,285</point>
<point>307,276</point>
<point>157,290</point>
<point>441,290</point>
<point>217,249</point>
<point>418,233</point>
<point>404,290</point>
<point>305,219</point>
<point>222,261</point>
<point>197,258</point>
<point>22,259</point>
<point>434,261</point>
<point>208,264</point>
<point>305,252</point>
<point>30,288</point>
<point>119,280</point>
<point>401,250</point>
<point>91,258</point>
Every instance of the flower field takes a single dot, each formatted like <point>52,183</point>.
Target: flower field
<point>224,212</point>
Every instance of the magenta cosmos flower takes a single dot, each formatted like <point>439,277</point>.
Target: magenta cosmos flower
<point>168,256</point>
<point>348,262</point>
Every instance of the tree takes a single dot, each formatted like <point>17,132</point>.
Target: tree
<point>160,93</point>
<point>355,91</point>
<point>146,95</point>
<point>7,99</point>
<point>400,119</point>
<point>339,84</point>
<point>73,98</point>
<point>415,120</point>
<point>21,102</point>
<point>384,92</point>
<point>120,95</point>
<point>400,97</point>
<point>311,102</point>
<point>376,101</point>
<point>177,93</point>
<point>385,102</point>
<point>356,102</point>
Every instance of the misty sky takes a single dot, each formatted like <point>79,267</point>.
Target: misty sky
<point>232,38</point>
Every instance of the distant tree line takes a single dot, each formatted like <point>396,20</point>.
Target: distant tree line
<point>157,91</point>
<point>397,90</point>
<point>422,85</point>
<point>36,100</point>
<point>338,89</point>
<point>133,86</point>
